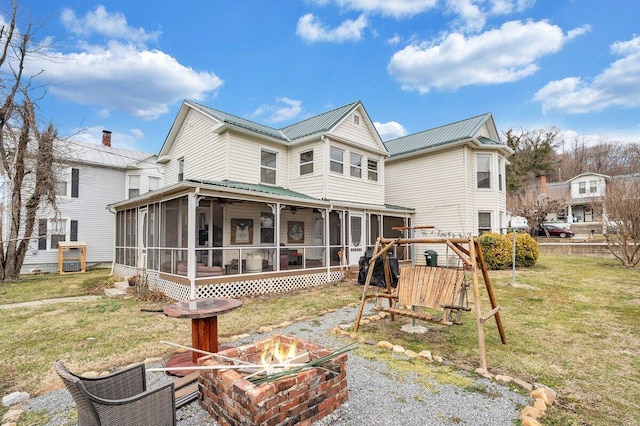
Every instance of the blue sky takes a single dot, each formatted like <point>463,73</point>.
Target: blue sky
<point>415,64</point>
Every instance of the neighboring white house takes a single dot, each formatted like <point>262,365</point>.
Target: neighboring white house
<point>93,177</point>
<point>247,208</point>
<point>580,196</point>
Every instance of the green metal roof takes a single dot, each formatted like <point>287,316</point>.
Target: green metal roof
<point>265,189</point>
<point>313,125</point>
<point>438,136</point>
<point>319,123</point>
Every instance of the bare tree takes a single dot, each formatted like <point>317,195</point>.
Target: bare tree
<point>531,203</point>
<point>26,152</point>
<point>621,205</point>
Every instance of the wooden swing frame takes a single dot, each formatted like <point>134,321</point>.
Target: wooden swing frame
<point>471,256</point>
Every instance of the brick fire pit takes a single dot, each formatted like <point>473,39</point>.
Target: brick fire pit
<point>294,400</point>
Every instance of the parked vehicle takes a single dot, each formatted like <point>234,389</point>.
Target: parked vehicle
<point>555,230</point>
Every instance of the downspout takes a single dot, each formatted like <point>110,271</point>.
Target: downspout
<point>465,159</point>
<point>327,161</point>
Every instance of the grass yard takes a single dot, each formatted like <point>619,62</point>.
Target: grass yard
<point>572,323</point>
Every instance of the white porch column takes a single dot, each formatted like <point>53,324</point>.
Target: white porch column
<point>191,241</point>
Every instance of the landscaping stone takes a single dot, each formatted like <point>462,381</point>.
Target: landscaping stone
<point>523,384</point>
<point>385,345</point>
<point>530,411</point>
<point>545,394</point>
<point>14,398</point>
<point>530,421</point>
<point>503,379</point>
<point>426,355</point>
<point>540,404</point>
<point>12,415</point>
<point>411,354</point>
<point>398,349</point>
<point>413,329</point>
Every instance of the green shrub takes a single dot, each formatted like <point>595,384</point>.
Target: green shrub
<point>526,249</point>
<point>496,250</point>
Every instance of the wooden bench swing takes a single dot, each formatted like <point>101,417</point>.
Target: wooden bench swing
<point>441,289</point>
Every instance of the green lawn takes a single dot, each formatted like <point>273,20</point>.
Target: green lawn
<point>572,323</point>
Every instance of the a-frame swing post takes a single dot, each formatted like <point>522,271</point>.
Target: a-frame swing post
<point>492,298</point>
<point>476,305</point>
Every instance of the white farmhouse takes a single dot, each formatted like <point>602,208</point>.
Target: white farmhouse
<point>246,208</point>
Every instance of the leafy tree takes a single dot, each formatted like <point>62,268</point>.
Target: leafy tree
<point>27,157</point>
<point>534,155</point>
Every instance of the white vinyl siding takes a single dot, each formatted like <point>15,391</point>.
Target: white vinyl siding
<point>361,132</point>
<point>98,187</point>
<point>346,187</point>
<point>444,200</point>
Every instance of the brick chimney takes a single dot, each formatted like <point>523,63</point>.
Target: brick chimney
<point>106,138</point>
<point>543,184</point>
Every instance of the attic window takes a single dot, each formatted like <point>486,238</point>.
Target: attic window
<point>356,119</point>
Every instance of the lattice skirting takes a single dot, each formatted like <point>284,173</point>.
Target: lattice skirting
<point>248,287</point>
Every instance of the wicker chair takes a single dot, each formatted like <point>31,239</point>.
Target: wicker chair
<point>120,398</point>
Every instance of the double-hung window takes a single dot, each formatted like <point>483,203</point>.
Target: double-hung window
<point>306,163</point>
<point>372,170</point>
<point>483,170</point>
<point>356,165</point>
<point>582,188</point>
<point>484,222</point>
<point>180,169</point>
<point>337,160</point>
<point>58,232</point>
<point>134,186</point>
<point>268,165</point>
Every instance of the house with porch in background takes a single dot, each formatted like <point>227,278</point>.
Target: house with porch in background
<point>88,177</point>
<point>250,209</point>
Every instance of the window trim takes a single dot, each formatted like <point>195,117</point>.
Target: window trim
<point>490,164</point>
<point>75,182</point>
<point>357,169</point>
<point>482,230</point>
<point>305,163</point>
<point>269,168</point>
<point>333,161</point>
<point>180,169</point>
<point>129,187</point>
<point>582,188</point>
<point>371,172</point>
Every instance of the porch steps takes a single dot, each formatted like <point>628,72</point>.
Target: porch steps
<point>114,292</point>
<point>121,285</point>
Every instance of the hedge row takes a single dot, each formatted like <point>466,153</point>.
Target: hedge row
<point>497,250</point>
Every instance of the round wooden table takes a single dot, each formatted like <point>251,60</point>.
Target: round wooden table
<point>204,320</point>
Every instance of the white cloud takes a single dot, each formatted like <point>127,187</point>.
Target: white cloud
<point>311,29</point>
<point>123,76</point>
<point>141,83</point>
<point>390,130</point>
<point>394,40</point>
<point>112,25</point>
<point>618,85</point>
<point>395,8</point>
<point>505,54</point>
<point>285,109</point>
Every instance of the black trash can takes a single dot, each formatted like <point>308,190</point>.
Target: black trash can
<point>431,257</point>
